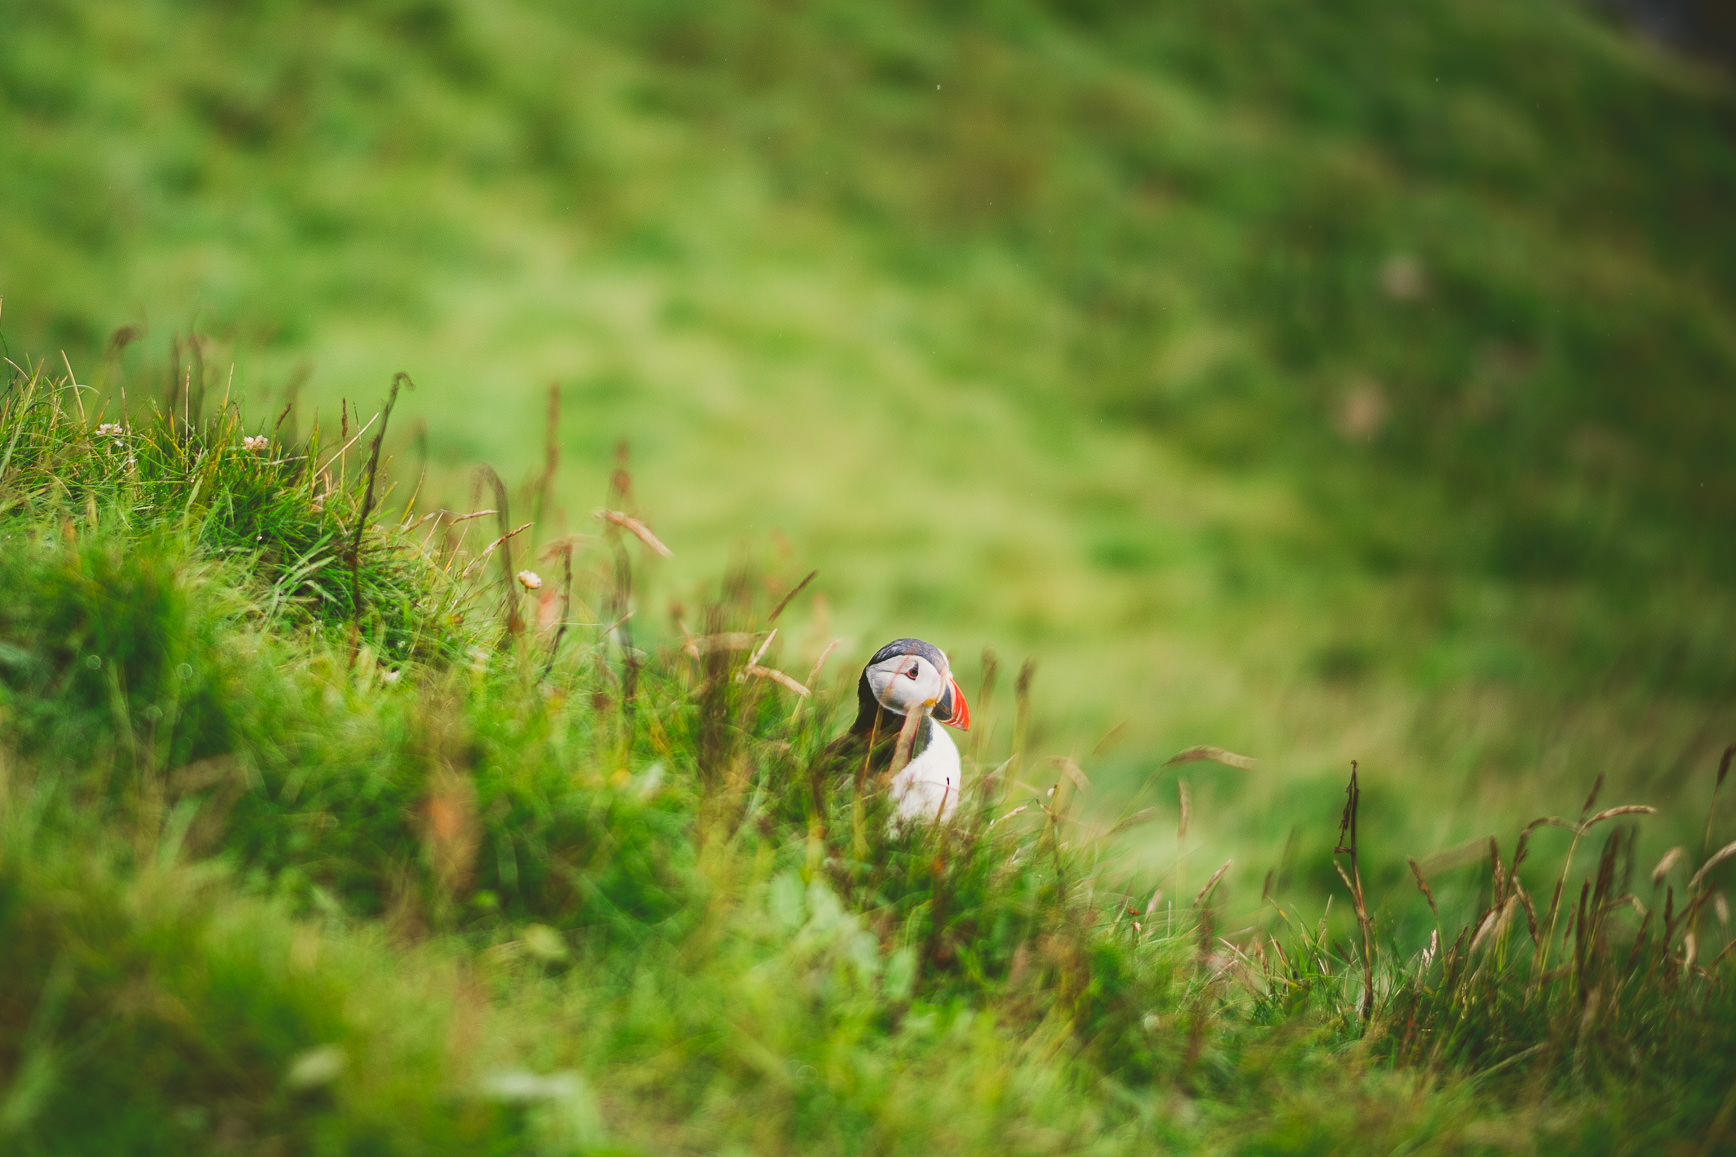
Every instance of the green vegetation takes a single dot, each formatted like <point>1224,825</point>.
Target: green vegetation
<point>1365,364</point>
<point>427,872</point>
<point>1327,384</point>
<point>435,872</point>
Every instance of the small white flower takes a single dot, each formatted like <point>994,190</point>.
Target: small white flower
<point>109,430</point>
<point>530,580</point>
<point>390,677</point>
<point>256,443</point>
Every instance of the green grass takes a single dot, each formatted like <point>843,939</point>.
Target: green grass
<point>1326,385</point>
<point>1323,385</point>
<point>270,882</point>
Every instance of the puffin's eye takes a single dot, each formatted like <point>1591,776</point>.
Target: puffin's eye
<point>910,674</point>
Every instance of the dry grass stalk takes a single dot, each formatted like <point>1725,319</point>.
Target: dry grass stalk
<point>1540,963</point>
<point>1524,898</point>
<point>1494,923</point>
<point>1205,892</point>
<point>1717,786</point>
<point>565,547</point>
<point>1134,820</point>
<point>1186,810</point>
<point>906,739</point>
<point>760,651</point>
<point>939,815</point>
<point>814,675</point>
<point>1021,720</point>
<point>410,503</point>
<point>355,551</point>
<point>444,519</point>
<point>1205,752</point>
<point>1423,886</point>
<point>483,554</point>
<point>486,476</point>
<point>342,450</point>
<point>819,663</point>
<point>1718,857</point>
<point>636,528</point>
<point>789,598</point>
<point>1347,828</point>
<point>775,676</point>
<point>1670,859</point>
<point>1632,809</point>
<point>1110,739</point>
<point>1344,876</point>
<point>1059,795</point>
<point>1625,900</point>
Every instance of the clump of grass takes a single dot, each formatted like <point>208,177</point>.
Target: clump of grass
<point>1611,987</point>
<point>294,516</point>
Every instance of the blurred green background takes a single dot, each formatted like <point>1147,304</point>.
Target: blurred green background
<point>1319,381</point>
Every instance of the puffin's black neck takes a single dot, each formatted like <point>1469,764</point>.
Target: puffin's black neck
<point>867,707</point>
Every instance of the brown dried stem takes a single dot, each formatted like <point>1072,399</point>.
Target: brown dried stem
<point>1347,828</point>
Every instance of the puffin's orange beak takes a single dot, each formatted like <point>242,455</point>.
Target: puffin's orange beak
<point>951,709</point>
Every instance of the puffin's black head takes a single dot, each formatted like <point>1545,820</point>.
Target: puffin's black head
<point>911,675</point>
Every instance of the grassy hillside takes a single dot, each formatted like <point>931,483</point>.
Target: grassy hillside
<point>1322,385</point>
<point>324,835</point>
<point>1325,386</point>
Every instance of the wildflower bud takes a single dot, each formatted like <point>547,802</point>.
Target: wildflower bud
<point>530,580</point>
<point>256,443</point>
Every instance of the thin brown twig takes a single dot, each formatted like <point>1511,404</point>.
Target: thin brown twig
<point>1347,827</point>
<point>789,598</point>
<point>385,416</point>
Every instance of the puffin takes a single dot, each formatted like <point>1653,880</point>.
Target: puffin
<point>907,676</point>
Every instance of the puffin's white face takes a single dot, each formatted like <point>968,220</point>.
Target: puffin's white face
<point>911,684</point>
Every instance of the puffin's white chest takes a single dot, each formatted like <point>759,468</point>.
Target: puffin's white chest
<point>927,788</point>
